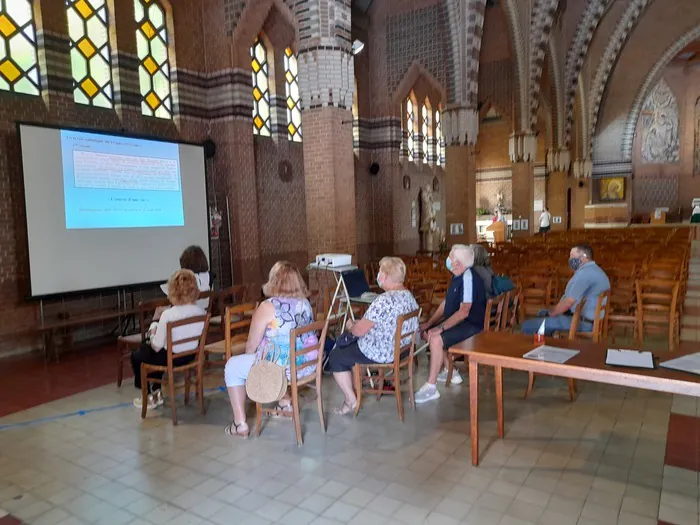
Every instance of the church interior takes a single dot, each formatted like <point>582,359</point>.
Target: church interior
<point>460,234</point>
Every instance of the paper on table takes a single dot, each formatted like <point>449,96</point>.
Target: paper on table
<point>551,354</point>
<point>631,358</point>
<point>687,363</point>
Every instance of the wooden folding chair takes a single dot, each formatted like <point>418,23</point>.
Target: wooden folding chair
<point>657,309</point>
<point>313,379</point>
<point>391,372</point>
<point>195,366</point>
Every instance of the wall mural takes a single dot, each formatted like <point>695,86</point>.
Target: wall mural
<point>696,151</point>
<point>660,130</point>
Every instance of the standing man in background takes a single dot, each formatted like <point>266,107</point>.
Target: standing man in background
<point>545,221</point>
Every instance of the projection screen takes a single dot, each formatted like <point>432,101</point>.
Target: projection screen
<point>107,210</point>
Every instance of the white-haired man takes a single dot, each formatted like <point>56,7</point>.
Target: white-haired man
<point>459,316</point>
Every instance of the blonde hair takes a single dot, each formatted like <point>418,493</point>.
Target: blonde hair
<point>393,267</point>
<point>464,254</point>
<point>285,281</point>
<point>183,288</point>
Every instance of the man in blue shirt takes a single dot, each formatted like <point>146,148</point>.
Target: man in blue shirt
<point>459,316</point>
<point>588,282</point>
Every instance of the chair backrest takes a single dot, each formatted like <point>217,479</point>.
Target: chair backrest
<point>423,293</point>
<point>232,295</point>
<point>511,310</point>
<point>210,296</point>
<point>657,299</point>
<point>600,323</point>
<point>146,311</point>
<point>318,327</point>
<point>576,319</point>
<point>201,338</point>
<point>494,313</point>
<point>237,321</point>
<point>401,334</point>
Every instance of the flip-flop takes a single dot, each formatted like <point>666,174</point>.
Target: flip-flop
<point>345,409</point>
<point>283,410</point>
<point>232,430</point>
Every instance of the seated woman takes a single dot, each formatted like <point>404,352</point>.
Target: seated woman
<point>193,259</point>
<point>285,309</point>
<point>482,267</point>
<point>375,331</point>
<point>183,292</point>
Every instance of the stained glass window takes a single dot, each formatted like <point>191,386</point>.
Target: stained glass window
<point>410,129</point>
<point>154,67</point>
<point>90,58</point>
<point>291,82</point>
<point>439,140</point>
<point>426,132</point>
<point>261,89</point>
<point>19,69</point>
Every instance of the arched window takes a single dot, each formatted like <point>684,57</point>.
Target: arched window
<point>426,131</point>
<point>154,67</point>
<point>261,88</point>
<point>411,127</point>
<point>19,69</point>
<point>88,28</point>
<point>439,139</point>
<point>291,82</point>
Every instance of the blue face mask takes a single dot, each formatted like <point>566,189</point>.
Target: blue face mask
<point>448,263</point>
<point>574,263</point>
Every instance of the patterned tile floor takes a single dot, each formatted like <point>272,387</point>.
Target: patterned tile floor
<point>73,454</point>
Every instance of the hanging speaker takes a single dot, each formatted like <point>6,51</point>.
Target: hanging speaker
<point>373,168</point>
<point>209,149</point>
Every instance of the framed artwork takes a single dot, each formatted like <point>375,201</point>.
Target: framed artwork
<point>612,189</point>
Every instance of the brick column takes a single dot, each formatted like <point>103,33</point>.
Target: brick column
<point>557,189</point>
<point>524,195</point>
<point>461,129</point>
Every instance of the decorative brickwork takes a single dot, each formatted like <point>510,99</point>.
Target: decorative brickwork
<point>540,30</point>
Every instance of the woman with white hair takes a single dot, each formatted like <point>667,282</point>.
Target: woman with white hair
<point>376,331</point>
<point>459,316</point>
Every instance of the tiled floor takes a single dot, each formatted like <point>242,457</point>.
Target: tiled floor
<point>82,455</point>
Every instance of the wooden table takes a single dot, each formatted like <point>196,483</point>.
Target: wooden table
<point>504,350</point>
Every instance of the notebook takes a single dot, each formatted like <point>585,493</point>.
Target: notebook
<point>629,358</point>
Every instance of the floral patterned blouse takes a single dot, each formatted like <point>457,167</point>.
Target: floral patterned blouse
<point>290,313</point>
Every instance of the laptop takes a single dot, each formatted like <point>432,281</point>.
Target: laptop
<point>356,282</point>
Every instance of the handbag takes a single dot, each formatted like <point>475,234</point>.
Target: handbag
<point>501,284</point>
<point>345,339</point>
<point>267,381</point>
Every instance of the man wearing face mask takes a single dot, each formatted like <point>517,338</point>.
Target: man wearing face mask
<point>459,316</point>
<point>588,282</point>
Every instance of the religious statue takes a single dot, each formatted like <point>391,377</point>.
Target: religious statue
<point>428,219</point>
<point>660,128</point>
<point>499,199</point>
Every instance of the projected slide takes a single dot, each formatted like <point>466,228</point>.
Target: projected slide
<point>119,182</point>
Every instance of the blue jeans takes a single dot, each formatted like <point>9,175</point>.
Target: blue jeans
<point>560,323</point>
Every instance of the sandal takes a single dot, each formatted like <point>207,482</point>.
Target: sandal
<point>283,410</point>
<point>345,409</point>
<point>233,429</point>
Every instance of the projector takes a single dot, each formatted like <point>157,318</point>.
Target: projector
<point>333,260</point>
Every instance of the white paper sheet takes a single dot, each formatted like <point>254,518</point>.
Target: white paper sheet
<point>551,354</point>
<point>631,358</point>
<point>687,363</point>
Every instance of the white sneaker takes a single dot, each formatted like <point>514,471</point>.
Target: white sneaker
<point>151,403</point>
<point>427,393</point>
<point>456,377</point>
<point>158,395</point>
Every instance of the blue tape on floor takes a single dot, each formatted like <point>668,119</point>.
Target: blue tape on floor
<point>48,419</point>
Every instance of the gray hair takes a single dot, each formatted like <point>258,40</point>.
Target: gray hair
<point>481,255</point>
<point>464,254</point>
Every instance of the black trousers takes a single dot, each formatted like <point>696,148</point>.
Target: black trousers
<point>146,354</point>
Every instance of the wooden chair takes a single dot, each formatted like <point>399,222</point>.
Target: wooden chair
<point>601,318</point>
<point>195,366</point>
<point>127,343</point>
<point>573,329</point>
<point>511,311</point>
<point>237,321</point>
<point>423,293</point>
<point>493,321</point>
<point>657,309</point>
<point>535,295</point>
<point>296,382</point>
<point>229,296</point>
<point>403,360</point>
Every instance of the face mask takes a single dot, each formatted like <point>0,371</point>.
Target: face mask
<point>448,263</point>
<point>379,282</point>
<point>575,263</point>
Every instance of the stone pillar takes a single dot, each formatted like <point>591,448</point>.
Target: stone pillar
<point>524,196</point>
<point>461,129</point>
<point>326,75</point>
<point>557,190</point>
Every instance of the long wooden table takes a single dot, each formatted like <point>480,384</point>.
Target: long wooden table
<point>504,350</point>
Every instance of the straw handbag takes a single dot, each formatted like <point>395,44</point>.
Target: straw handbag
<point>267,381</point>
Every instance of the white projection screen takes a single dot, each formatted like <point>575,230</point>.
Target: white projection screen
<point>108,210</point>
